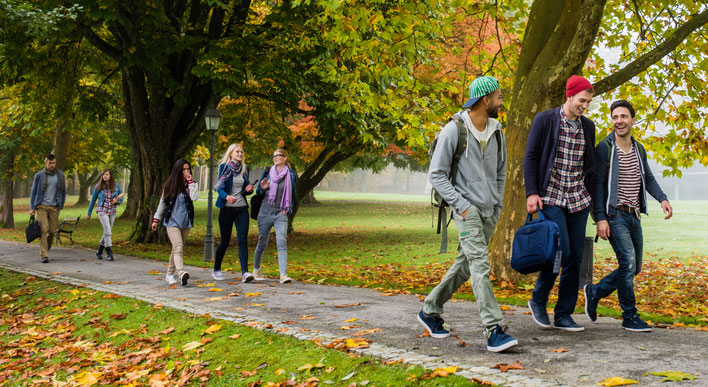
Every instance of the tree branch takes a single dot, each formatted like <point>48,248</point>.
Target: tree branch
<point>643,62</point>
<point>99,43</point>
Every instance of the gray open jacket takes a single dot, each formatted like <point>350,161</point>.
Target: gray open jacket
<point>607,174</point>
<point>480,176</point>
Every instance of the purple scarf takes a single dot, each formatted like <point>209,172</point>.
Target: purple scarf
<point>232,168</point>
<point>275,179</point>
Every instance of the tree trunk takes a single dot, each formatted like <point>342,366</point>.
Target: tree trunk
<point>7,219</point>
<point>556,44</point>
<point>133,201</point>
<point>310,199</point>
<point>62,135</point>
<point>86,182</point>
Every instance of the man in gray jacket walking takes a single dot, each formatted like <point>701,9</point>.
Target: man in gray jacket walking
<point>475,204</point>
<point>47,199</point>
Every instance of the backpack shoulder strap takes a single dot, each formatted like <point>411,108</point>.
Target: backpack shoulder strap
<point>460,149</point>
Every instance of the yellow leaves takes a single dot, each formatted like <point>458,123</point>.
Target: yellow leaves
<point>252,294</point>
<point>191,345</point>
<point>86,378</point>
<point>352,343</point>
<point>153,272</point>
<point>234,336</point>
<point>212,329</point>
<point>351,320</point>
<point>440,372</point>
<point>209,285</point>
<point>214,299</point>
<point>215,290</point>
<point>616,381</point>
<point>672,376</point>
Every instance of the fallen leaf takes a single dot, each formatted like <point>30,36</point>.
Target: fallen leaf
<point>212,328</point>
<point>215,290</point>
<point>460,342</point>
<point>424,334</point>
<point>351,319</point>
<point>505,367</point>
<point>234,336</point>
<point>86,378</point>
<point>672,376</point>
<point>121,332</point>
<point>252,294</point>
<point>309,367</point>
<point>348,376</point>
<point>214,299</point>
<point>307,317</point>
<point>559,350</point>
<point>192,345</point>
<point>209,285</point>
<point>506,307</point>
<point>616,381</point>
<point>296,292</point>
<point>158,306</point>
<point>154,272</point>
<point>347,305</point>
<point>167,331</point>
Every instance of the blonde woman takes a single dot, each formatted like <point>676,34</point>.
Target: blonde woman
<point>278,185</point>
<point>109,196</point>
<point>233,187</point>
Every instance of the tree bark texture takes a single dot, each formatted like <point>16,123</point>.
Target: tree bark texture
<point>62,135</point>
<point>87,181</point>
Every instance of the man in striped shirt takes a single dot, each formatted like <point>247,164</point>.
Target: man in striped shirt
<point>623,178</point>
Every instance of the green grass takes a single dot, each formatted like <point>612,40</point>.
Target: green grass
<point>91,331</point>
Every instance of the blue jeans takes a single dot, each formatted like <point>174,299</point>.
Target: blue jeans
<point>228,216</point>
<point>626,240</point>
<point>572,237</point>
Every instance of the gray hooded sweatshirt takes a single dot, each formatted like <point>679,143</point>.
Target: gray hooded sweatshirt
<point>480,175</point>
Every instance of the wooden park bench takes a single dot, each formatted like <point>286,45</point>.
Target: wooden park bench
<point>66,229</point>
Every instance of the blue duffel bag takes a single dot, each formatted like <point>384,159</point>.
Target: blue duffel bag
<point>536,246</point>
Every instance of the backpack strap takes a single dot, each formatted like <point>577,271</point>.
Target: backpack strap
<point>460,149</point>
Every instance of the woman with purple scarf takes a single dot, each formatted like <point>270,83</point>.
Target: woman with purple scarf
<point>278,185</point>
<point>233,187</point>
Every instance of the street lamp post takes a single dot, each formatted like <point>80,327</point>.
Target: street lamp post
<point>212,119</point>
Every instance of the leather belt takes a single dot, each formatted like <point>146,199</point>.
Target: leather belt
<point>630,209</point>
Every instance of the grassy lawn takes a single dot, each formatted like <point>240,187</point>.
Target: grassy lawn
<point>52,334</point>
<point>359,239</point>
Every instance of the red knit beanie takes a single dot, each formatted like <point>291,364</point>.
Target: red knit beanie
<point>576,84</point>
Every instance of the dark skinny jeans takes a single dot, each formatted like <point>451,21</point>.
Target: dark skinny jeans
<point>228,216</point>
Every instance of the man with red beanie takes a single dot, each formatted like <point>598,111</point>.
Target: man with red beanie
<point>559,165</point>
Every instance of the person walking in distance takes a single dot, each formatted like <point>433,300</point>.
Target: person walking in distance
<point>233,187</point>
<point>475,201</point>
<point>623,180</point>
<point>559,166</point>
<point>47,199</point>
<point>278,184</point>
<point>109,195</point>
<point>176,210</point>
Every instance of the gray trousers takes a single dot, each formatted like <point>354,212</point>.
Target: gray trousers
<point>266,219</point>
<point>471,263</point>
<point>107,223</point>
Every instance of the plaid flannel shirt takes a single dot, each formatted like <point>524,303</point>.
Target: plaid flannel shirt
<point>566,187</point>
<point>107,207</point>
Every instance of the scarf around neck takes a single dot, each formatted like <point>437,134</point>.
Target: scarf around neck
<point>278,178</point>
<point>60,183</point>
<point>231,168</point>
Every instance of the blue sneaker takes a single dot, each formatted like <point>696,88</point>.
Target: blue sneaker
<point>590,303</point>
<point>539,314</point>
<point>499,341</point>
<point>635,324</point>
<point>434,325</point>
<point>566,323</point>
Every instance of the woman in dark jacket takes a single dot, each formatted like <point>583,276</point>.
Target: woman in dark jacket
<point>278,185</point>
<point>233,187</point>
<point>176,210</point>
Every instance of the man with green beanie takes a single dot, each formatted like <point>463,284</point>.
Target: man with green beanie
<point>475,204</point>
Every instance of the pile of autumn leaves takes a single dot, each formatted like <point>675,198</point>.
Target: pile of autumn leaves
<point>672,287</point>
<point>50,353</point>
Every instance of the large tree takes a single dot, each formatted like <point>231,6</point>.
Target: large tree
<point>661,68</point>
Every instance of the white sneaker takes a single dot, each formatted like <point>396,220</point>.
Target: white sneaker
<point>246,277</point>
<point>217,275</point>
<point>284,279</point>
<point>257,275</point>
<point>170,278</point>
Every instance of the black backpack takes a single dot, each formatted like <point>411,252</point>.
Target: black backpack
<point>435,199</point>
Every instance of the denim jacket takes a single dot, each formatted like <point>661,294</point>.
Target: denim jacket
<point>101,197</point>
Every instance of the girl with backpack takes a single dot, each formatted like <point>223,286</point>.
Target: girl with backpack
<point>109,196</point>
<point>176,210</point>
<point>277,184</point>
<point>233,187</point>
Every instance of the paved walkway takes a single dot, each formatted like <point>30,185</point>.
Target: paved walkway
<point>602,351</point>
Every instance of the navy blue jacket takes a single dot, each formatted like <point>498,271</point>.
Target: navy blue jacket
<point>605,196</point>
<point>226,189</point>
<point>541,152</point>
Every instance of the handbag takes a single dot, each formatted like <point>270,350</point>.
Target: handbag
<point>32,231</point>
<point>256,201</point>
<point>536,246</point>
